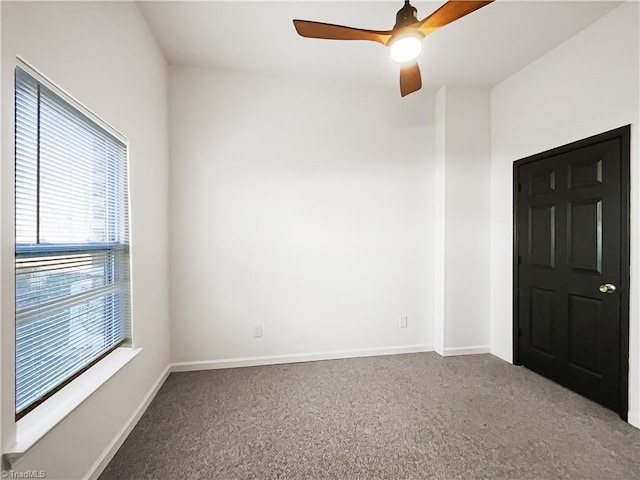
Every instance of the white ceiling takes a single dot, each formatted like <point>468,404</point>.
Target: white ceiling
<point>483,48</point>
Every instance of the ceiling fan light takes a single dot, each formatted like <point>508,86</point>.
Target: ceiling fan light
<point>405,49</point>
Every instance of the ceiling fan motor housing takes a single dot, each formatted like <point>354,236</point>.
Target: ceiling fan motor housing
<point>406,16</point>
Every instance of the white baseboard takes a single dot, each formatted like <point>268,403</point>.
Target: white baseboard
<point>634,419</point>
<point>104,459</point>
<point>473,350</point>
<point>295,358</point>
<point>504,355</point>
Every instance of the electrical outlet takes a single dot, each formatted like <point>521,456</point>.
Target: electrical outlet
<point>257,331</point>
<point>404,321</point>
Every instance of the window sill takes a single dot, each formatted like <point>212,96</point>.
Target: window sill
<point>37,423</point>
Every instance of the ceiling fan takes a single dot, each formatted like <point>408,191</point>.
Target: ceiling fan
<point>404,40</point>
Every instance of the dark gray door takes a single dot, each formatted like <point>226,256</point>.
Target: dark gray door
<point>572,266</point>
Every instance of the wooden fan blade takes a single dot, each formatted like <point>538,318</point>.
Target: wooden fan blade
<point>410,79</point>
<point>449,12</point>
<point>329,31</point>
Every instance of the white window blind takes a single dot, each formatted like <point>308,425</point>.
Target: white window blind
<point>72,242</point>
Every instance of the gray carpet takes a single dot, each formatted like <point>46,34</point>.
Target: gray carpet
<point>395,417</point>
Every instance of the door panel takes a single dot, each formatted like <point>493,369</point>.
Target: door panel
<point>541,324</point>
<point>585,236</point>
<point>584,174</point>
<point>585,320</point>
<point>570,221</point>
<point>542,243</point>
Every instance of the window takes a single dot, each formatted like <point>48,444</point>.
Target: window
<point>72,242</point>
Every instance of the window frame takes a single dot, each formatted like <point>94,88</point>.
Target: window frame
<point>125,349</point>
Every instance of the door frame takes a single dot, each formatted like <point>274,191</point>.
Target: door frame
<point>624,134</point>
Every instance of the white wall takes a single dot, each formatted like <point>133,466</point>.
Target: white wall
<point>586,86</point>
<point>302,206</point>
<point>105,56</point>
<point>463,144</point>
